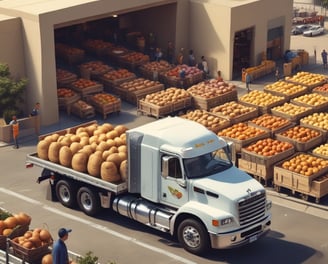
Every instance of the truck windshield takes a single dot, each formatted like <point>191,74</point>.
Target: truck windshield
<point>207,164</point>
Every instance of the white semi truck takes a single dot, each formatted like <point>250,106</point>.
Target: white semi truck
<point>181,180</point>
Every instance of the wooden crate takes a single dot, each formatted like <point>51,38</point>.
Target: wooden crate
<point>264,109</point>
<point>171,81</point>
<point>154,74</point>
<point>161,111</point>
<point>84,113</point>
<point>292,180</point>
<point>72,59</point>
<point>273,131</point>
<point>323,131</point>
<point>239,144</point>
<point>301,146</point>
<point>265,160</point>
<point>86,70</point>
<point>17,231</point>
<point>30,255</point>
<point>285,94</point>
<point>97,88</point>
<point>109,85</point>
<point>240,118</point>
<point>132,65</point>
<point>222,122</point>
<point>319,186</point>
<point>316,108</point>
<point>134,96</point>
<point>106,109</point>
<point>260,170</point>
<point>66,102</point>
<point>293,118</point>
<point>207,104</point>
<point>65,78</point>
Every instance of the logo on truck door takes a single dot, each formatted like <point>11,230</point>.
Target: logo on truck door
<point>175,192</point>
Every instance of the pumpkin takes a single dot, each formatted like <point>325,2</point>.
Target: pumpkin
<point>45,235</point>
<point>7,231</point>
<point>115,158</point>
<point>10,222</point>
<point>120,129</point>
<point>112,134</point>
<point>27,244</point>
<point>94,164</point>
<point>91,128</point>
<point>80,161</point>
<point>22,218</point>
<point>42,149</point>
<point>109,172</point>
<point>102,146</point>
<point>124,170</point>
<point>46,259</point>
<point>65,156</point>
<point>53,151</point>
<point>75,147</point>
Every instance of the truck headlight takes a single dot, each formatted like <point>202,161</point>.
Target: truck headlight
<point>222,222</point>
<point>226,221</point>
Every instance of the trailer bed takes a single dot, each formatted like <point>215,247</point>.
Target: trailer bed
<point>75,175</point>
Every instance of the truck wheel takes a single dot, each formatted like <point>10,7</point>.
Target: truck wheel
<point>193,236</point>
<point>88,201</point>
<point>66,193</point>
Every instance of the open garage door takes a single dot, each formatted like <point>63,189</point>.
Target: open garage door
<point>274,44</point>
<point>242,50</point>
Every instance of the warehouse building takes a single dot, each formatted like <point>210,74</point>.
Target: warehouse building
<point>231,34</point>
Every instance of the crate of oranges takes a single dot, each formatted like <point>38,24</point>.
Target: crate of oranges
<point>267,151</point>
<point>241,134</point>
<point>303,138</point>
<point>259,157</point>
<point>298,171</point>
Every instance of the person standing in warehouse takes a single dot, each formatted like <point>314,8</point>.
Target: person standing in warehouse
<point>248,80</point>
<point>35,110</point>
<point>324,58</point>
<point>15,126</point>
<point>204,67</point>
<point>170,52</point>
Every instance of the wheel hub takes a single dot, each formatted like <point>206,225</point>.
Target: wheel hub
<point>191,237</point>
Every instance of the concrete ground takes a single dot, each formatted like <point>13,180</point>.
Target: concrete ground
<point>131,118</point>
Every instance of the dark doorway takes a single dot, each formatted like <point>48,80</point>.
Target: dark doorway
<point>242,51</point>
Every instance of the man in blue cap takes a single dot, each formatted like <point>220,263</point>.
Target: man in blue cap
<point>59,250</point>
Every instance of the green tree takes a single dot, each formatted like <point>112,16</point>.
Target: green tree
<point>11,93</point>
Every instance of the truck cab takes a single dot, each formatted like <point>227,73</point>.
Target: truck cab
<point>182,180</point>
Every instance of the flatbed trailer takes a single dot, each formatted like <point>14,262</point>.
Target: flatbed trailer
<point>75,175</point>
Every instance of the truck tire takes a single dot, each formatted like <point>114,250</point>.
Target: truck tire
<point>88,201</point>
<point>66,193</point>
<point>193,236</point>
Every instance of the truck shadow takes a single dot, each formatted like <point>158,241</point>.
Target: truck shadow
<point>269,249</point>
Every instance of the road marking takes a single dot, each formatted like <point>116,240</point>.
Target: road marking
<point>97,226</point>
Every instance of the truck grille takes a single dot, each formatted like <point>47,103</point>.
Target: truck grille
<point>251,208</point>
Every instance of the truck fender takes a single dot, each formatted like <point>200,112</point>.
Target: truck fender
<point>203,212</point>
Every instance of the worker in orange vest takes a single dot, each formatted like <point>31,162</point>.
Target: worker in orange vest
<point>15,125</point>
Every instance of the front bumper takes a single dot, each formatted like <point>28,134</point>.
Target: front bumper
<point>240,237</point>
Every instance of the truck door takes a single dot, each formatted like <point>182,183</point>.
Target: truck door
<point>174,190</point>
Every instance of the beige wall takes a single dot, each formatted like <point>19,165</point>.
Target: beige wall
<point>207,27</point>
<point>213,25</point>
